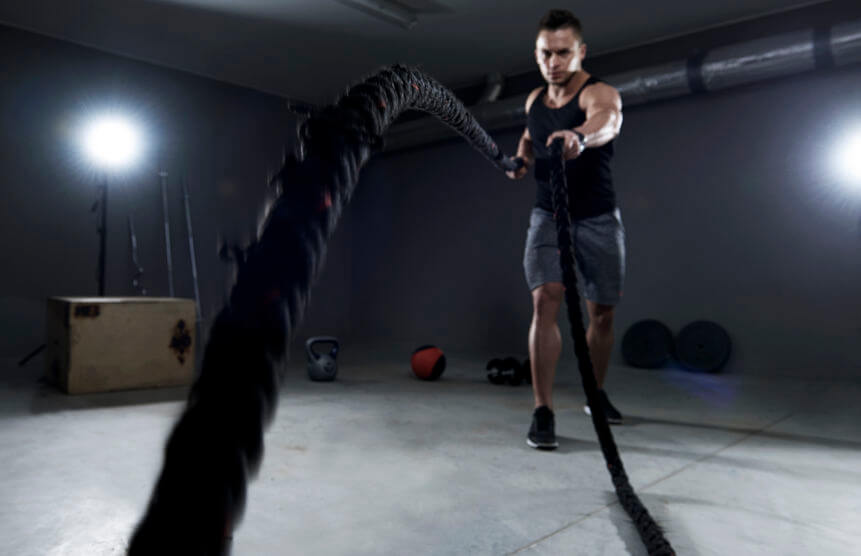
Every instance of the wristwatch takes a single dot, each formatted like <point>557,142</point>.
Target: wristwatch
<point>581,139</point>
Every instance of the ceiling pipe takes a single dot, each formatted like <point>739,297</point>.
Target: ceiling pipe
<point>386,10</point>
<point>492,88</point>
<point>722,68</point>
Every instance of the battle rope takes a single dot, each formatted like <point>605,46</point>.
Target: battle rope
<point>649,531</point>
<point>217,443</point>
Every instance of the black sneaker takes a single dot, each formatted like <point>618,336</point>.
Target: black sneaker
<point>542,434</point>
<point>613,415</point>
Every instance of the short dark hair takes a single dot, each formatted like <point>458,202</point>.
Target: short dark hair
<point>560,19</point>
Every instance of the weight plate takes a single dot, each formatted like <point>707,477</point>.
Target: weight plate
<point>647,344</point>
<point>703,346</point>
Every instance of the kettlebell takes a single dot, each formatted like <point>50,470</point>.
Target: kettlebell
<point>322,366</point>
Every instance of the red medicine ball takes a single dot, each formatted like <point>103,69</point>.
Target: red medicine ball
<point>428,362</point>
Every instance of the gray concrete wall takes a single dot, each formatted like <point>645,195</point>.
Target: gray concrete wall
<point>732,211</point>
<point>733,214</point>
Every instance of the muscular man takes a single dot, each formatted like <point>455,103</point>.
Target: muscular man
<point>587,114</point>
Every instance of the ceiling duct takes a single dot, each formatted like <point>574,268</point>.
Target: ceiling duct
<point>385,10</point>
<point>492,88</point>
<point>729,66</point>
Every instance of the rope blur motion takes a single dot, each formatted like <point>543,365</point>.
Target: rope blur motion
<point>217,443</point>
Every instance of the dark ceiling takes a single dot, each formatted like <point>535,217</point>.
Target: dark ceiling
<point>311,49</point>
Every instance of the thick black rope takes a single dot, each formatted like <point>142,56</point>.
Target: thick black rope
<point>649,531</point>
<point>217,444</point>
<point>218,441</point>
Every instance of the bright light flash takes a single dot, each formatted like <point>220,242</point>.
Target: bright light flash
<point>849,157</point>
<point>112,142</point>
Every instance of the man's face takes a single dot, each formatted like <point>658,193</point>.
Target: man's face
<point>559,54</point>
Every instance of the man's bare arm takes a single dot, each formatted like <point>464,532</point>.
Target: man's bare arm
<point>524,146</point>
<point>603,107</point>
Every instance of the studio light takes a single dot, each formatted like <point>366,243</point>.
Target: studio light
<point>848,157</point>
<point>112,142</point>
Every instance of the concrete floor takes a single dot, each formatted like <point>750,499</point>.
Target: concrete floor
<point>380,463</point>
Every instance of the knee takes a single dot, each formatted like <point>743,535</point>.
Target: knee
<point>603,321</point>
<point>546,300</point>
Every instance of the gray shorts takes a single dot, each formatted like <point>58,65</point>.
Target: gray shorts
<point>599,252</point>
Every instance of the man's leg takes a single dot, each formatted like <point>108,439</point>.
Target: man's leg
<point>545,345</point>
<point>545,341</point>
<point>600,337</point>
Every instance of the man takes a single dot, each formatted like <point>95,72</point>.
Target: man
<point>587,114</point>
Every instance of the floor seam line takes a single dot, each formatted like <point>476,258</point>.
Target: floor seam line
<point>653,483</point>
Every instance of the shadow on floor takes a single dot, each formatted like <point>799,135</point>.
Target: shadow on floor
<point>657,508</point>
<point>48,398</point>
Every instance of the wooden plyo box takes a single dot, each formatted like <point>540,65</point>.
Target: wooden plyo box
<point>98,344</point>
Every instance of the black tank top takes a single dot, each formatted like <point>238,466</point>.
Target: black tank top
<point>590,182</point>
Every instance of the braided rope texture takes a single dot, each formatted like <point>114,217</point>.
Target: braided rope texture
<point>217,443</point>
<point>649,531</point>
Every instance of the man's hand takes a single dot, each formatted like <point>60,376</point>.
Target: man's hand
<point>524,146</point>
<point>519,173</point>
<point>572,146</point>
